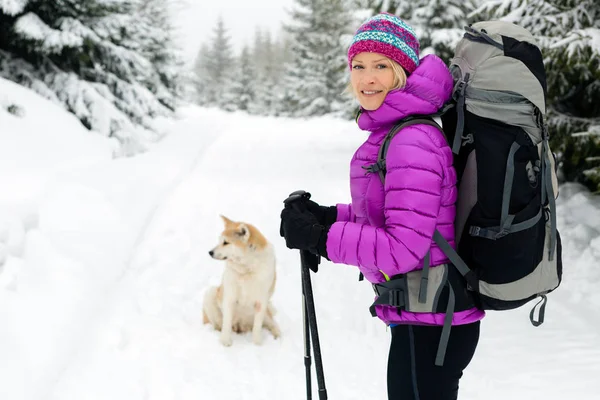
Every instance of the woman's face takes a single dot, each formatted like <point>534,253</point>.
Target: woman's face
<point>371,78</point>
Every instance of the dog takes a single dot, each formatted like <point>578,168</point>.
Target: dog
<point>242,303</point>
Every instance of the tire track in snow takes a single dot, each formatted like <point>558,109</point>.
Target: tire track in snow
<point>211,135</point>
<point>164,198</point>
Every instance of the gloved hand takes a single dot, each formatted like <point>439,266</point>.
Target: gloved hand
<point>325,215</point>
<point>302,231</point>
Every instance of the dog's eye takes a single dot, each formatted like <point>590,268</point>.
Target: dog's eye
<point>225,243</point>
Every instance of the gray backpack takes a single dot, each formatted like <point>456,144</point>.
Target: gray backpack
<point>508,246</point>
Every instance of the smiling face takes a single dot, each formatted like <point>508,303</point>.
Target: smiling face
<point>373,75</point>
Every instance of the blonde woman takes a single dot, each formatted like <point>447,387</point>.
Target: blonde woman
<point>387,231</point>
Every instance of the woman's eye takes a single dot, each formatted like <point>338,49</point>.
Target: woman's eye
<point>381,66</point>
<point>357,67</point>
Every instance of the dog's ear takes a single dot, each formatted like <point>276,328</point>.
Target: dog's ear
<point>243,232</point>
<point>226,220</point>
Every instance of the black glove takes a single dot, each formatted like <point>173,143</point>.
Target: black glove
<point>302,231</point>
<point>325,215</point>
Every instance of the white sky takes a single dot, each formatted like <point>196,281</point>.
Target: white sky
<point>197,19</point>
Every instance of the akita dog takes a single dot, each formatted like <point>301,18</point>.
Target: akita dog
<point>242,302</point>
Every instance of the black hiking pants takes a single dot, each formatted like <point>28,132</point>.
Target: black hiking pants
<point>412,373</point>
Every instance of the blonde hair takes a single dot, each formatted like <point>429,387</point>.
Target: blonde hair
<point>399,78</point>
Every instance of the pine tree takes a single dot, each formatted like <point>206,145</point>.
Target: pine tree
<point>282,57</point>
<point>244,85</point>
<point>316,78</point>
<point>90,55</point>
<point>222,68</point>
<point>215,68</point>
<point>202,67</point>
<point>269,60</point>
<point>378,6</point>
<point>155,40</point>
<point>440,24</point>
<point>261,58</point>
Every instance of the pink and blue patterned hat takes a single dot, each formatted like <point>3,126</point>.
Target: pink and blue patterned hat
<point>388,35</point>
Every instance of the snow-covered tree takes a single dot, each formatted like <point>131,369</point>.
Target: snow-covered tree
<point>223,64</point>
<point>215,68</point>
<point>440,24</point>
<point>378,6</point>
<point>153,37</point>
<point>202,67</point>
<point>316,77</point>
<point>569,33</point>
<point>244,84</point>
<point>105,60</point>
<point>269,59</point>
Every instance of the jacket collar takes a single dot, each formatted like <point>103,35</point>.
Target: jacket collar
<point>425,92</point>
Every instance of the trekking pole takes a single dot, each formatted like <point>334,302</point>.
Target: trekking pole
<point>306,330</point>
<point>309,261</point>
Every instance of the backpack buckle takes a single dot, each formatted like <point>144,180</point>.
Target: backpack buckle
<point>396,298</point>
<point>386,296</point>
<point>502,233</point>
<point>374,168</point>
<point>459,90</point>
<point>474,230</point>
<point>376,289</point>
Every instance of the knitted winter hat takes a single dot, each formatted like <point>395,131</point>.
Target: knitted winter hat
<point>388,35</point>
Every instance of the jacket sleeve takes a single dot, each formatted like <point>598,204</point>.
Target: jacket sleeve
<point>345,213</point>
<point>412,198</point>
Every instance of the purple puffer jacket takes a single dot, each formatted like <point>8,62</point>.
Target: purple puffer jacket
<point>390,229</point>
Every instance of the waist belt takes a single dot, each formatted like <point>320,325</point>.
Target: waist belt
<point>391,293</point>
<point>395,293</point>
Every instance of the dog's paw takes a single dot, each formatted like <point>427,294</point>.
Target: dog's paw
<point>226,340</point>
<point>276,333</point>
<point>257,338</point>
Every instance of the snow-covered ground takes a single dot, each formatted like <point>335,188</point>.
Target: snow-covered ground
<point>104,265</point>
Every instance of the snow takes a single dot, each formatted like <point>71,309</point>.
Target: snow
<point>105,266</point>
<point>12,7</point>
<point>51,40</point>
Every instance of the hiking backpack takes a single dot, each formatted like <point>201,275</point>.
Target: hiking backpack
<point>508,246</point>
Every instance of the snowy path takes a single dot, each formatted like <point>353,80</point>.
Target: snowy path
<point>149,341</point>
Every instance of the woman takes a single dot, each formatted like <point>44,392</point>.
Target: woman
<point>387,231</point>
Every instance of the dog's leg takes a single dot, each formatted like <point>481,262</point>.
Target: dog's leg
<point>270,323</point>
<point>228,304</point>
<point>260,310</point>
<point>210,308</point>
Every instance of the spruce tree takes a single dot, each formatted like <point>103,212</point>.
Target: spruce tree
<point>97,57</point>
<point>202,66</point>
<point>244,84</point>
<point>263,57</point>
<point>440,24</point>
<point>222,67</point>
<point>317,75</point>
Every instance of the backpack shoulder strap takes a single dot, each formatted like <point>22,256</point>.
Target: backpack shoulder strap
<point>380,168</point>
<point>416,120</point>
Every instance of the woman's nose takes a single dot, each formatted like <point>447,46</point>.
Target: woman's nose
<point>368,78</point>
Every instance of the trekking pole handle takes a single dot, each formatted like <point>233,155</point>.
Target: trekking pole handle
<point>296,199</point>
